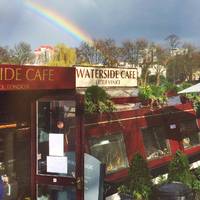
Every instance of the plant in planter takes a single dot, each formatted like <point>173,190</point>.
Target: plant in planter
<point>153,95</point>
<point>192,97</point>
<point>184,97</point>
<point>179,170</point>
<point>139,184</point>
<point>144,94</point>
<point>97,100</point>
<point>170,89</point>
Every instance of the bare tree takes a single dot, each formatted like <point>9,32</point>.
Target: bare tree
<point>87,54</point>
<point>109,51</point>
<point>22,54</point>
<point>159,65</point>
<point>173,41</point>
<point>128,52</point>
<point>4,55</point>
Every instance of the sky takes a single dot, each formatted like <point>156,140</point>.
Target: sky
<point>21,20</point>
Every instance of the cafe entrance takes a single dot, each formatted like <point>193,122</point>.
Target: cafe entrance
<point>59,162</point>
<point>40,147</point>
<point>41,134</point>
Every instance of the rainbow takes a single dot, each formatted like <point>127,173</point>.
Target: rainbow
<point>56,20</point>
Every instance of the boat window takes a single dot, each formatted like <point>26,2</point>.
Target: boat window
<point>110,150</point>
<point>155,142</point>
<point>190,133</point>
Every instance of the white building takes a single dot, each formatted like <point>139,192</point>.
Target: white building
<point>178,51</point>
<point>43,54</point>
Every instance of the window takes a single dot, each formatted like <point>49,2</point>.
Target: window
<point>190,133</point>
<point>111,151</point>
<point>155,142</point>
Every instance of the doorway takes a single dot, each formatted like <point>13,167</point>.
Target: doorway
<point>58,150</point>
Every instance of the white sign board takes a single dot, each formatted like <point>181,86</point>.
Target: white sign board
<point>106,77</point>
<point>172,126</point>
<point>57,164</point>
<point>56,144</point>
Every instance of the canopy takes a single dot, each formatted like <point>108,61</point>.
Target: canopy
<point>194,88</point>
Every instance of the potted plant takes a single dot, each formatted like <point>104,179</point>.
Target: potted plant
<point>97,100</point>
<point>153,95</point>
<point>139,184</point>
<point>179,170</point>
<point>184,97</point>
<point>170,89</point>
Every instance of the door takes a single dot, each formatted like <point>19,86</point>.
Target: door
<point>58,149</point>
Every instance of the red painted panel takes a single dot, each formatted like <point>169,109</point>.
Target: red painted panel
<point>18,77</point>
<point>130,124</point>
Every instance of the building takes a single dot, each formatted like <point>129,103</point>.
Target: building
<point>178,51</point>
<point>43,54</point>
<point>44,132</point>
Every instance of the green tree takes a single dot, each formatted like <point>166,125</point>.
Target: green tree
<point>97,100</point>
<point>140,177</point>
<point>63,56</point>
<point>22,54</point>
<point>139,184</point>
<point>179,170</point>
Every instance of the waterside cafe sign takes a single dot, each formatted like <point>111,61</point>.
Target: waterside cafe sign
<point>106,77</point>
<point>16,77</point>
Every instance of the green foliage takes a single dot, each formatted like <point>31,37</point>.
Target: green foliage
<point>97,100</point>
<point>179,170</point>
<point>145,92</point>
<point>140,179</point>
<point>183,86</point>
<point>2,168</point>
<point>194,97</point>
<point>63,56</point>
<point>154,93</point>
<point>140,184</point>
<point>124,189</point>
<point>169,86</point>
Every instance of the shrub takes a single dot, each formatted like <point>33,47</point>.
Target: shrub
<point>179,170</point>
<point>97,100</point>
<point>154,93</point>
<point>139,184</point>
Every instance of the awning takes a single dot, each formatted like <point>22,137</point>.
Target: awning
<point>194,88</point>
